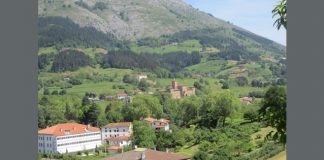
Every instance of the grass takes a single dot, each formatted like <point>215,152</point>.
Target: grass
<point>188,150</point>
<point>186,46</point>
<point>281,156</point>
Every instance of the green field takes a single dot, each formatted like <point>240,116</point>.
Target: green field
<point>186,46</point>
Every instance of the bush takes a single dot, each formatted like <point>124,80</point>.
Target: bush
<point>250,115</point>
<point>75,81</point>
<point>55,93</point>
<point>62,92</point>
<point>225,86</point>
<point>241,81</point>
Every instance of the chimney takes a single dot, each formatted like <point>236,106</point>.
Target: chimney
<point>61,130</point>
<point>143,155</point>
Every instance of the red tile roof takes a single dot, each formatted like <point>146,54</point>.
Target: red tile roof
<point>72,128</point>
<point>246,99</point>
<point>115,147</point>
<point>149,155</point>
<point>150,119</point>
<point>121,94</point>
<point>119,138</point>
<point>120,124</point>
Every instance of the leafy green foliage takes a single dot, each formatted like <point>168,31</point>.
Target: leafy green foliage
<point>281,11</point>
<point>273,111</point>
<point>143,135</point>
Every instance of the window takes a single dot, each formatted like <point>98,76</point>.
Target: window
<point>124,130</point>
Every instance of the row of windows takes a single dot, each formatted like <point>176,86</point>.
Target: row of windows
<point>48,145</point>
<point>71,143</point>
<point>82,135</point>
<point>47,138</point>
<point>106,130</point>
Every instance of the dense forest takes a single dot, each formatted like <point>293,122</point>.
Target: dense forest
<point>62,32</point>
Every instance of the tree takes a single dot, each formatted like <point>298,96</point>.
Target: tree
<point>198,85</point>
<point>91,115</point>
<point>85,101</point>
<point>225,86</point>
<point>143,85</point>
<point>55,92</point>
<point>273,112</point>
<point>250,115</point>
<point>143,106</point>
<point>190,108</point>
<point>281,11</point>
<point>200,156</point>
<point>62,92</point>
<point>143,135</point>
<point>226,103</point>
<point>241,81</point>
<point>114,111</point>
<point>46,91</point>
<point>128,79</point>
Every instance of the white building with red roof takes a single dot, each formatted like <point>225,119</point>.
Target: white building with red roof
<point>68,137</point>
<point>158,123</point>
<point>117,134</point>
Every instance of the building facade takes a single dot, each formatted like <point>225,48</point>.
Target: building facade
<point>141,76</point>
<point>158,124</point>
<point>179,91</point>
<point>68,137</point>
<point>116,130</point>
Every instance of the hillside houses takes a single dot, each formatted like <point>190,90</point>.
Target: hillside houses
<point>117,135</point>
<point>158,124</point>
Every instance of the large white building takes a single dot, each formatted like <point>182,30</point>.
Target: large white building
<point>68,137</point>
<point>117,134</point>
<point>158,123</point>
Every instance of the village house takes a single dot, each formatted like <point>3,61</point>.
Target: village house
<point>141,76</point>
<point>179,91</point>
<point>124,97</point>
<point>117,134</point>
<point>247,100</point>
<point>146,154</point>
<point>68,137</point>
<point>158,123</point>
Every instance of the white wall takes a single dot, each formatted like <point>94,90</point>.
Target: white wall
<point>70,143</point>
<point>109,132</point>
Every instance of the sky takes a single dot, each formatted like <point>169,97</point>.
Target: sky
<point>253,15</point>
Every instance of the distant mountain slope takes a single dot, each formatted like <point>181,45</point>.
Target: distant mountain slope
<point>134,20</point>
<point>129,19</point>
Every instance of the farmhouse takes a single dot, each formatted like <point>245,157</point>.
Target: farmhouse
<point>146,154</point>
<point>117,134</point>
<point>158,123</point>
<point>124,97</point>
<point>68,137</point>
<point>247,100</point>
<point>178,91</point>
<point>141,76</point>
